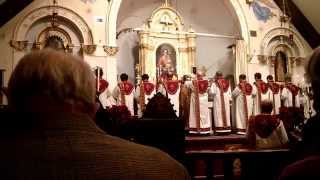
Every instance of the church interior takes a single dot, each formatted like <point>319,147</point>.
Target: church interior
<point>196,79</point>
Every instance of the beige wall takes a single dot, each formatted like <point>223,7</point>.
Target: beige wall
<point>104,33</point>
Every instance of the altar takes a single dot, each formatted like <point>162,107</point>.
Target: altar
<point>165,48</point>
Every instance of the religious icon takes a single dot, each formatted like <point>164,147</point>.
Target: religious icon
<point>281,66</point>
<point>166,62</point>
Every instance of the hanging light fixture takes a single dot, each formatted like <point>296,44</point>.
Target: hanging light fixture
<point>54,16</point>
<point>285,20</point>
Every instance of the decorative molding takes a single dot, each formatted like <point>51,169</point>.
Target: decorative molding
<point>183,49</point>
<point>69,48</point>
<point>36,46</point>
<point>262,59</point>
<point>146,46</point>
<point>18,45</point>
<point>111,51</point>
<point>89,49</point>
<point>192,49</point>
<point>300,61</point>
<point>266,45</point>
<point>271,60</point>
<point>292,60</point>
<point>187,49</point>
<point>37,14</point>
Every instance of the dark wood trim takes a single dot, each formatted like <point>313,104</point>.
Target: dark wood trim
<point>302,24</point>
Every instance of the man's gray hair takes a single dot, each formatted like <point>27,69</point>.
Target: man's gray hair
<point>57,75</point>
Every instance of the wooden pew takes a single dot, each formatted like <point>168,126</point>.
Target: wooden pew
<point>249,164</point>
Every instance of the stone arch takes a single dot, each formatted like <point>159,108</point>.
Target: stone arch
<point>268,43</point>
<point>114,7</point>
<point>32,17</point>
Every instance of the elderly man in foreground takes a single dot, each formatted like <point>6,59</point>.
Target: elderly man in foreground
<point>57,137</point>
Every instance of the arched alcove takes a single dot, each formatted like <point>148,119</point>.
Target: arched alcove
<point>207,17</point>
<point>33,30</point>
<point>281,66</point>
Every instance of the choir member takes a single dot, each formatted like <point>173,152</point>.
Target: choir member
<point>290,94</point>
<point>243,107</point>
<point>170,87</point>
<point>144,91</point>
<point>221,92</point>
<point>124,92</point>
<point>199,116</point>
<point>259,93</point>
<point>274,94</point>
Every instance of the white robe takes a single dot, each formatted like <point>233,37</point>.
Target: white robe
<point>146,99</point>
<point>240,119</point>
<point>106,99</point>
<point>174,98</point>
<point>205,122</point>
<point>275,99</point>
<point>287,97</point>
<point>128,99</point>
<point>219,125</point>
<point>255,99</point>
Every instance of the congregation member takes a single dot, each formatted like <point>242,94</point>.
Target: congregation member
<point>274,94</point>
<point>259,93</point>
<point>243,107</point>
<point>221,92</point>
<point>56,138</point>
<point>184,100</point>
<point>170,87</point>
<point>123,93</point>
<point>290,94</point>
<point>266,131</point>
<point>199,116</point>
<point>144,91</point>
<point>308,166</point>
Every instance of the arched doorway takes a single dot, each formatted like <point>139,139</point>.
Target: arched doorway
<point>281,66</point>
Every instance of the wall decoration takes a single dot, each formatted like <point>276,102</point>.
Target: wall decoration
<point>90,1</point>
<point>262,9</point>
<point>111,51</point>
<point>19,45</point>
<point>88,49</point>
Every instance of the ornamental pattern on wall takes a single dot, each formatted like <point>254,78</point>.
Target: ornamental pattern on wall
<point>90,1</point>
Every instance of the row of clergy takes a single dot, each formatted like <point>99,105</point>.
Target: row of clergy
<point>190,99</point>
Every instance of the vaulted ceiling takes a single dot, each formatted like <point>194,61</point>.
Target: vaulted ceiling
<point>310,9</point>
<point>306,16</point>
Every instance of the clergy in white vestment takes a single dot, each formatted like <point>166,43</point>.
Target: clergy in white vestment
<point>220,89</point>
<point>199,116</point>
<point>171,88</point>
<point>259,93</point>
<point>144,91</point>
<point>102,90</point>
<point>123,93</point>
<point>290,94</point>
<point>243,107</point>
<point>274,94</point>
